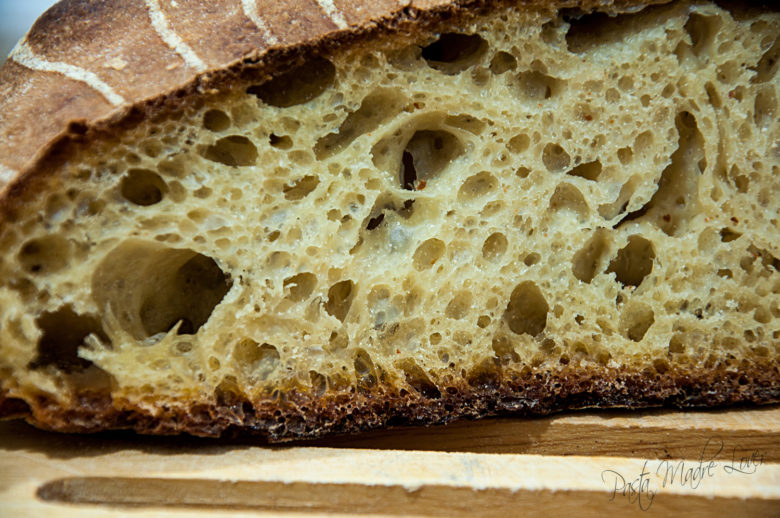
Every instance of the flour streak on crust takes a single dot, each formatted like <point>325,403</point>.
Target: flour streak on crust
<point>250,10</point>
<point>160,24</point>
<point>333,12</point>
<point>6,175</point>
<point>24,55</point>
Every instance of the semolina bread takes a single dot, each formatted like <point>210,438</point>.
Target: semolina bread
<point>345,215</point>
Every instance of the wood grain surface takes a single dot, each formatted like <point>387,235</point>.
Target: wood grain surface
<point>709,463</point>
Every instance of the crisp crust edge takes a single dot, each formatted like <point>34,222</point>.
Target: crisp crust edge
<point>498,391</point>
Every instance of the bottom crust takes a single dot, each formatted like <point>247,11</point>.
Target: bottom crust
<point>297,415</point>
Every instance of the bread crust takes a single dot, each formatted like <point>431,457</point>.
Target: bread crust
<point>301,415</point>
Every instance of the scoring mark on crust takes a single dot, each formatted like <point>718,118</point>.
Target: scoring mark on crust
<point>333,13</point>
<point>160,24</point>
<point>24,55</point>
<point>250,10</point>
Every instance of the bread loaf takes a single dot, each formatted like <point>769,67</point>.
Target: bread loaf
<point>296,219</point>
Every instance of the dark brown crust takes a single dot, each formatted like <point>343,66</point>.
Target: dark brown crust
<point>500,392</point>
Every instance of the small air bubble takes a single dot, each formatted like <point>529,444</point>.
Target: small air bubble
<point>531,259</point>
<point>427,254</point>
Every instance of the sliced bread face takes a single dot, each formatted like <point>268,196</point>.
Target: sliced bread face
<point>516,210</point>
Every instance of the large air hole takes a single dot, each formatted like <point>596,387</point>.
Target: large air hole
<point>419,380</point>
<point>194,289</point>
<point>588,260</point>
<point>676,200</point>
<point>587,170</point>
<point>636,319</point>
<point>454,52</point>
<point>45,254</point>
<point>340,297</point>
<point>538,86</point>
<point>297,86</point>
<point>234,150</point>
<point>257,362</point>
<point>590,31</point>
<point>64,331</point>
<point>702,31</point>
<point>142,187</point>
<point>300,188</point>
<point>375,109</point>
<point>426,155</point>
<point>633,262</point>
<point>216,120</point>
<point>527,309</point>
<point>300,286</point>
<point>150,288</point>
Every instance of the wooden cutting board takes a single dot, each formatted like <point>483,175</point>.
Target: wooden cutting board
<point>709,463</point>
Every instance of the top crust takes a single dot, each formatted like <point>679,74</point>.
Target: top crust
<point>87,64</point>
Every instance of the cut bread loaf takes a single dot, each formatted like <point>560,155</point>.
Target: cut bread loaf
<point>354,215</point>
